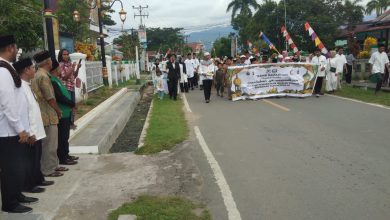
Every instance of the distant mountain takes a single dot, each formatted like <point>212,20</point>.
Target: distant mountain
<point>208,36</point>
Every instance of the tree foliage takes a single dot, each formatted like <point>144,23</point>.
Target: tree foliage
<point>164,38</point>
<point>325,16</point>
<point>127,45</point>
<point>80,29</point>
<point>23,19</point>
<point>222,47</point>
<point>379,6</point>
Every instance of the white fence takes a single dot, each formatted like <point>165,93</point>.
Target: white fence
<point>93,75</point>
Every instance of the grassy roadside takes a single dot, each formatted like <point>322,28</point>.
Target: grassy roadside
<point>348,91</point>
<point>162,208</point>
<point>167,126</point>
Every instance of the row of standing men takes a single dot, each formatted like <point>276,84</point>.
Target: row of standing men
<point>37,106</point>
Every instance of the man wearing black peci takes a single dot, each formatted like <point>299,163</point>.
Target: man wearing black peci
<point>14,131</point>
<point>173,76</point>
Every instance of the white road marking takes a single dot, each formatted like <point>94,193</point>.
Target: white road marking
<point>358,101</point>
<point>230,204</point>
<point>186,103</point>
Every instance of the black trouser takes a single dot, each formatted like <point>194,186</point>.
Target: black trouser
<point>63,139</point>
<point>73,98</point>
<point>191,82</point>
<point>379,82</point>
<point>184,87</point>
<point>220,87</point>
<point>12,165</point>
<point>318,86</point>
<point>34,175</point>
<point>348,75</point>
<point>172,87</point>
<point>196,78</point>
<point>207,83</point>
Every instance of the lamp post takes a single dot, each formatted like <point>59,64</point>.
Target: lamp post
<point>48,14</point>
<point>122,14</point>
<point>285,20</point>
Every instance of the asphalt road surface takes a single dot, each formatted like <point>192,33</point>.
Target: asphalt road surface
<point>296,159</point>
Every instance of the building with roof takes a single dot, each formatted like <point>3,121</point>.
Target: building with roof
<point>378,28</point>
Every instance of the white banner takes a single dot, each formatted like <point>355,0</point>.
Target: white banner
<point>269,80</point>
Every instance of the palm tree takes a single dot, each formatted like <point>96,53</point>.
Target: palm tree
<point>379,6</point>
<point>353,11</point>
<point>243,6</point>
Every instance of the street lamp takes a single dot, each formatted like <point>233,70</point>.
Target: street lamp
<point>122,14</point>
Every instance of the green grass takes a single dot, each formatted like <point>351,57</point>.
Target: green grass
<point>167,126</point>
<point>162,208</point>
<point>361,94</point>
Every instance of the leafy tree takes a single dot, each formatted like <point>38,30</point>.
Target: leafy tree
<point>106,17</point>
<point>127,43</point>
<point>351,12</point>
<point>164,38</point>
<point>23,19</point>
<point>222,46</point>
<point>66,22</point>
<point>244,6</point>
<point>379,6</point>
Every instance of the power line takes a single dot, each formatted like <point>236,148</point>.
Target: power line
<point>141,14</point>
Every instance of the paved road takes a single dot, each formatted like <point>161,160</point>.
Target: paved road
<point>321,159</point>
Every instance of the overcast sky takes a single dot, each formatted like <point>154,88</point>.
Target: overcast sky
<point>191,15</point>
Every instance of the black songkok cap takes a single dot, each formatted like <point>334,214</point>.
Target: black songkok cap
<point>55,65</point>
<point>41,56</point>
<point>22,64</point>
<point>6,40</point>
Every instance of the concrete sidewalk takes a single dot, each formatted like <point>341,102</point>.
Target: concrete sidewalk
<point>100,133</point>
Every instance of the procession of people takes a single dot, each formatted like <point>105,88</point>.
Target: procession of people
<point>334,68</point>
<point>36,114</point>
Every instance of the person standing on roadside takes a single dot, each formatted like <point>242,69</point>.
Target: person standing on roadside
<point>379,62</point>
<point>196,62</point>
<point>220,79</point>
<point>43,89</point>
<point>69,73</point>
<point>350,64</point>
<point>14,131</point>
<point>190,69</point>
<point>34,176</point>
<point>66,104</point>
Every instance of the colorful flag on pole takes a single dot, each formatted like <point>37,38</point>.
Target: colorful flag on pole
<point>289,40</point>
<point>268,42</point>
<point>315,38</point>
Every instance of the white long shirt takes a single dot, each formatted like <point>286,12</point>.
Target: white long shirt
<point>196,63</point>
<point>13,106</point>
<point>190,68</point>
<point>34,113</point>
<point>207,70</point>
<point>340,62</point>
<point>378,62</point>
<point>321,62</point>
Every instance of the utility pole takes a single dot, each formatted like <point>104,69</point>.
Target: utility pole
<point>48,14</point>
<point>142,32</point>
<point>140,14</point>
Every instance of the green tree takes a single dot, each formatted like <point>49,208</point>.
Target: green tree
<point>244,6</point>
<point>351,11</point>
<point>222,47</point>
<point>164,38</point>
<point>127,45</point>
<point>379,6</point>
<point>80,29</point>
<point>23,19</point>
<point>106,17</point>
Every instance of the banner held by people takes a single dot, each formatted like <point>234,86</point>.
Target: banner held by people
<point>271,80</point>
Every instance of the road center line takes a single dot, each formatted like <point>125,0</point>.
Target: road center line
<point>186,103</point>
<point>230,204</point>
<point>276,105</point>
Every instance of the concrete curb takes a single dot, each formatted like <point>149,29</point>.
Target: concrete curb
<point>98,110</point>
<point>146,126</point>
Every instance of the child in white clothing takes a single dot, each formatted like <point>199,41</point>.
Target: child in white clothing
<point>160,85</point>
